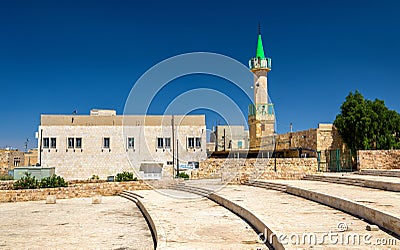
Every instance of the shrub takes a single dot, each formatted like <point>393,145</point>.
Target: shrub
<point>53,182</point>
<point>6,177</point>
<point>183,175</point>
<point>95,177</point>
<point>125,176</point>
<point>26,182</point>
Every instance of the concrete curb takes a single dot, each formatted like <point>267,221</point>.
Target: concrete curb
<point>384,220</point>
<point>135,198</point>
<point>250,218</point>
<point>271,240</point>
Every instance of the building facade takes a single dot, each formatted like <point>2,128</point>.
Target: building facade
<point>31,157</point>
<point>10,159</point>
<point>104,144</point>
<point>230,137</point>
<point>261,118</point>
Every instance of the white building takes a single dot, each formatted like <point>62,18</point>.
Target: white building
<point>230,137</point>
<point>105,144</point>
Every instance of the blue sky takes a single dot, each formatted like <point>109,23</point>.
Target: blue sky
<point>58,56</point>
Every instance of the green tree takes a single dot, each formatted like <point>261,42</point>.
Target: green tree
<point>366,124</point>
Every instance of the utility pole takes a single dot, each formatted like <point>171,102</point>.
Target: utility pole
<point>40,147</point>
<point>224,141</point>
<point>26,145</point>
<point>177,157</point>
<point>275,150</point>
<point>173,146</point>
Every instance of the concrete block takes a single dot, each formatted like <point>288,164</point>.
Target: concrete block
<point>96,199</point>
<point>372,228</point>
<point>51,199</point>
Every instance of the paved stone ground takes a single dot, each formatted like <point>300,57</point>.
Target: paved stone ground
<point>290,215</point>
<point>193,222</point>
<point>74,224</point>
<point>385,201</point>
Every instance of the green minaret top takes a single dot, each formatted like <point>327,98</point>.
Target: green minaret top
<point>260,48</point>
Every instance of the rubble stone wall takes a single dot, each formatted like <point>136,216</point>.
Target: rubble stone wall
<point>378,159</point>
<point>240,170</point>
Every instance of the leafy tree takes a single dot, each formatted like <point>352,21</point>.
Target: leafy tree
<point>366,124</point>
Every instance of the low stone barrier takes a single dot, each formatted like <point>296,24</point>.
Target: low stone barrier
<point>6,185</point>
<point>378,159</point>
<point>239,170</point>
<point>72,191</point>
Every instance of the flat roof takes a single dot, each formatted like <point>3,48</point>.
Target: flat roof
<point>120,120</point>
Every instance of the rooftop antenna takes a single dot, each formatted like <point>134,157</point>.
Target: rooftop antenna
<point>26,145</point>
<point>259,28</point>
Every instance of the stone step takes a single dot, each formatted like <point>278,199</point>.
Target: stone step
<point>388,173</point>
<point>389,186</point>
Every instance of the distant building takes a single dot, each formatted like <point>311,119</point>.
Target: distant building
<point>31,157</point>
<point>323,142</point>
<point>230,137</point>
<point>9,159</point>
<point>104,144</point>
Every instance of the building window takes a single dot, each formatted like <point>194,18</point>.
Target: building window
<point>17,161</point>
<point>198,142</point>
<point>53,142</point>
<point>190,142</point>
<point>169,163</point>
<point>46,142</point>
<point>78,142</point>
<point>160,142</point>
<point>131,142</point>
<point>71,142</point>
<point>167,141</point>
<point>106,142</point>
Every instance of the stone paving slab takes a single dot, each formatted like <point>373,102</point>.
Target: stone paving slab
<point>74,224</point>
<point>384,201</point>
<point>293,216</point>
<point>188,221</point>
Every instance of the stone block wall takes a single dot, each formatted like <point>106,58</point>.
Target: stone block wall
<point>73,191</point>
<point>378,159</point>
<point>239,170</point>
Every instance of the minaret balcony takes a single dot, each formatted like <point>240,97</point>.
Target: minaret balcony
<point>260,63</point>
<point>262,111</point>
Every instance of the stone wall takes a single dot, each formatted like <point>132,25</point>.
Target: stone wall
<point>239,170</point>
<point>378,159</point>
<point>6,185</point>
<point>325,137</point>
<point>72,191</point>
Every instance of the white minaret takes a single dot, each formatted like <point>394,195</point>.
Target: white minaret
<point>261,114</point>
